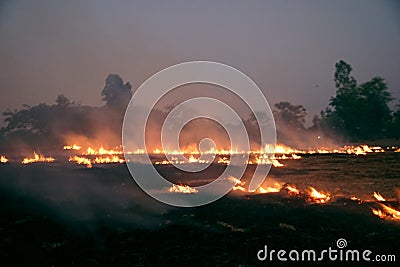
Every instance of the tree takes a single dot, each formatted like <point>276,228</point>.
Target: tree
<point>394,128</point>
<point>116,93</point>
<point>376,116</point>
<point>62,101</point>
<point>358,111</point>
<point>345,113</point>
<point>289,114</point>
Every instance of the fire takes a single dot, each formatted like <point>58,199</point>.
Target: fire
<point>37,158</point>
<point>318,197</point>
<point>3,159</point>
<point>224,160</point>
<point>98,160</point>
<point>379,197</point>
<point>109,159</point>
<point>182,189</point>
<point>386,212</point>
<point>378,213</point>
<point>276,163</point>
<point>265,160</point>
<point>102,151</point>
<point>239,185</point>
<point>73,147</point>
<point>282,149</point>
<point>81,160</point>
<point>277,187</point>
<point>397,150</point>
<point>293,191</point>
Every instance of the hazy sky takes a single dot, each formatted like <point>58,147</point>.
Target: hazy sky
<point>286,47</point>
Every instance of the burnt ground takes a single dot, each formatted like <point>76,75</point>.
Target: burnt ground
<point>65,215</point>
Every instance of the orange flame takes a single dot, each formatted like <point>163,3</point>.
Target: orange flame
<point>379,197</point>
<point>386,212</point>
<point>318,197</point>
<point>73,147</point>
<point>102,151</point>
<point>269,189</point>
<point>182,189</point>
<point>293,191</point>
<point>37,158</point>
<point>3,159</point>
<point>81,160</point>
<point>109,159</point>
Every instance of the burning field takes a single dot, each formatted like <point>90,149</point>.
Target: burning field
<point>78,206</point>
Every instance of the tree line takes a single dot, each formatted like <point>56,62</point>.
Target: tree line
<point>358,112</point>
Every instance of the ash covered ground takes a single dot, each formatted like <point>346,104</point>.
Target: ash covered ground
<point>62,214</point>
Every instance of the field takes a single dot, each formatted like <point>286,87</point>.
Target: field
<point>63,214</point>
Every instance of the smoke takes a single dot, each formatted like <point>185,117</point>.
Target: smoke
<point>83,199</point>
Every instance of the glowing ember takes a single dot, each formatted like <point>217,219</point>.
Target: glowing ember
<point>73,147</point>
<point>3,159</point>
<point>37,158</point>
<point>318,197</point>
<point>386,212</point>
<point>379,197</point>
<point>182,189</point>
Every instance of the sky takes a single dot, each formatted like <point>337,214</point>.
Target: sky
<point>288,48</point>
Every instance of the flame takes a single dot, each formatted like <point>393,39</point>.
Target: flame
<point>293,191</point>
<point>378,213</point>
<point>193,159</point>
<point>37,158</point>
<point>183,189</point>
<point>379,197</point>
<point>269,189</point>
<point>276,163</point>
<point>397,150</point>
<point>109,159</point>
<point>102,151</point>
<point>73,147</point>
<point>386,212</point>
<point>282,149</point>
<point>98,160</point>
<point>239,185</point>
<point>224,160</point>
<point>81,160</point>
<point>3,159</point>
<point>265,160</point>
<point>318,197</point>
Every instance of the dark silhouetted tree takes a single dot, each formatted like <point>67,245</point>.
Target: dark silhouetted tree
<point>289,114</point>
<point>116,93</point>
<point>394,128</point>
<point>376,114</point>
<point>358,111</point>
